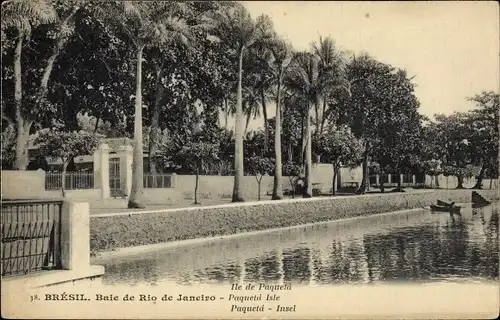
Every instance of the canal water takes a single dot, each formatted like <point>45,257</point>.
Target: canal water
<point>410,246</point>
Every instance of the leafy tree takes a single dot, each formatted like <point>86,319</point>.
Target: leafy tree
<point>293,171</point>
<point>452,136</point>
<point>235,27</point>
<point>293,127</point>
<point>8,146</point>
<point>359,111</point>
<point>382,112</point>
<point>197,157</point>
<point>144,24</point>
<point>25,17</point>
<point>94,75</point>
<point>185,69</point>
<point>399,124</point>
<point>483,123</point>
<point>259,166</point>
<point>66,146</point>
<point>340,147</point>
<point>254,144</point>
<point>433,168</point>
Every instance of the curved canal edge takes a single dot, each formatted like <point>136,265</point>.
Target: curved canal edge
<point>117,231</point>
<point>132,251</point>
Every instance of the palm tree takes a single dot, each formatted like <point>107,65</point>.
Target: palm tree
<point>234,25</point>
<point>251,105</point>
<point>145,24</point>
<point>303,78</point>
<point>23,16</point>
<point>281,57</point>
<point>260,69</point>
<point>333,80</point>
<point>178,31</point>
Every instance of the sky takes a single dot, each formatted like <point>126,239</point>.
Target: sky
<point>452,48</point>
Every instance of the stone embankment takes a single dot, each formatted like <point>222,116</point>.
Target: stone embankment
<point>129,229</point>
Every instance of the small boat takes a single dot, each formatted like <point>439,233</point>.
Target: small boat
<point>478,200</point>
<point>444,204</point>
<point>450,209</point>
<point>479,205</point>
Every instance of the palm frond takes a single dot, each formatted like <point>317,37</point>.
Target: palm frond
<point>132,10</point>
<point>26,14</point>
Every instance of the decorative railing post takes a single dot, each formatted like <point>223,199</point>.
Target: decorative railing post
<point>75,235</point>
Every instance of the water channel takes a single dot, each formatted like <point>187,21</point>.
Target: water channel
<point>410,246</point>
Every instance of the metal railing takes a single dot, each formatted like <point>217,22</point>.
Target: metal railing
<point>157,180</point>
<point>74,180</point>
<point>406,182</point>
<point>31,236</point>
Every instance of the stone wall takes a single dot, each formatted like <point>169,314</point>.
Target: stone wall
<point>222,186</point>
<point>108,232</point>
<point>31,185</point>
<point>23,184</point>
<point>77,195</point>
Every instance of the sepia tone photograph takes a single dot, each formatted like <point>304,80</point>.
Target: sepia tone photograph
<point>250,159</point>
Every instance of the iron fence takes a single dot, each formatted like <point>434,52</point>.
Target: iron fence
<point>31,236</point>
<point>74,180</point>
<point>157,180</point>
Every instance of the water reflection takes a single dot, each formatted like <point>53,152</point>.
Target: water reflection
<point>414,246</point>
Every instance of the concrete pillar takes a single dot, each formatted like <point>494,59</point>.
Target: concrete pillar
<point>401,180</point>
<point>174,180</point>
<point>389,178</point>
<point>102,155</point>
<point>126,155</point>
<point>97,169</point>
<point>75,235</point>
<point>377,180</point>
<point>414,179</point>
<point>104,162</point>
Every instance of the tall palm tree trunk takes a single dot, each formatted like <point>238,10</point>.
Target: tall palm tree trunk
<point>238,137</point>
<point>135,198</point>
<point>277,187</point>
<point>226,112</point>
<point>247,122</point>
<point>155,130</point>
<point>22,126</point>
<point>302,141</point>
<point>266,124</point>
<point>323,116</point>
<point>308,189</point>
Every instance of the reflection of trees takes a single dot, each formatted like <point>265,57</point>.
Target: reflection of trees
<point>490,250</point>
<point>229,272</point>
<point>271,267</point>
<point>433,251</point>
<point>296,265</point>
<point>447,247</point>
<point>252,270</point>
<point>345,263</point>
